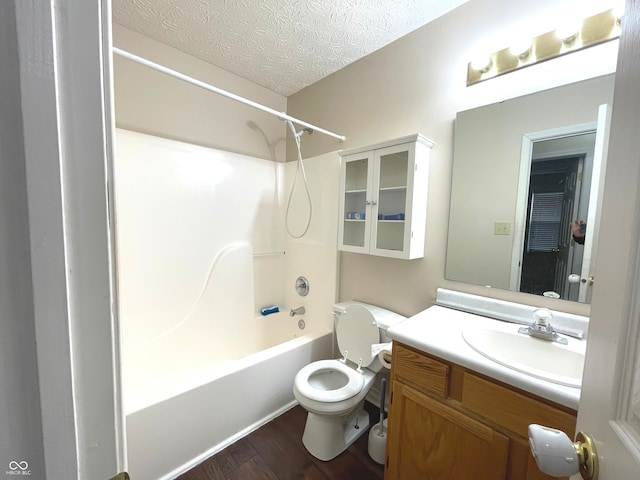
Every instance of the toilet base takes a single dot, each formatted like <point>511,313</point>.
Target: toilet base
<point>327,436</point>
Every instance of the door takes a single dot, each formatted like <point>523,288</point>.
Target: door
<point>552,195</point>
<point>354,229</point>
<point>593,217</point>
<point>610,401</point>
<point>391,212</point>
<point>65,78</point>
<point>462,449</point>
<point>561,282</point>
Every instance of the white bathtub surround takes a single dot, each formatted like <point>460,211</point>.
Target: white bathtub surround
<point>201,249</point>
<point>315,255</point>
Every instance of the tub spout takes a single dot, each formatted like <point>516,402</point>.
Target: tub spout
<point>296,311</point>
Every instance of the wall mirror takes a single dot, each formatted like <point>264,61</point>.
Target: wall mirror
<point>523,171</point>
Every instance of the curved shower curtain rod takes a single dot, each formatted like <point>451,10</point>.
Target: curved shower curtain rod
<point>219,91</point>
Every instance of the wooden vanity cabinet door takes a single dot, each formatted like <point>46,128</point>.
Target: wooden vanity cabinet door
<point>430,440</point>
<point>522,465</point>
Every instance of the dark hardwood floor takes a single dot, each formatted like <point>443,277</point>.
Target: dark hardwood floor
<point>275,452</point>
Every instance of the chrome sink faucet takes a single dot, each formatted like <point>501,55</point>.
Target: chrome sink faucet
<point>541,327</point>
<point>296,311</point>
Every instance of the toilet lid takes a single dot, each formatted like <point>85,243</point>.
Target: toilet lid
<point>353,384</point>
<point>356,331</point>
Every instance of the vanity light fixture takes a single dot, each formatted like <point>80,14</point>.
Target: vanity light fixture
<point>591,31</point>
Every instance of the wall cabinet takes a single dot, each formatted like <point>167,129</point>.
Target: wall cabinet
<point>448,422</point>
<point>383,198</point>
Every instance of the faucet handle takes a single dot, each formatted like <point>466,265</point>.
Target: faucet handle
<point>542,317</point>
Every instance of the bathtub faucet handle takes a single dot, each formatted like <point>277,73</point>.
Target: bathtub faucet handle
<point>296,311</point>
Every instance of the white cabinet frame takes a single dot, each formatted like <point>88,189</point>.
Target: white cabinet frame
<point>387,184</point>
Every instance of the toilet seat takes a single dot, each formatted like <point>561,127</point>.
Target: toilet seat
<point>356,331</point>
<point>355,381</point>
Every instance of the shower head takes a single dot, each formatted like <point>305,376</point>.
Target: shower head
<point>301,132</point>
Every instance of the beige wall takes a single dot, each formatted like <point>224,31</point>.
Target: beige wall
<point>148,101</point>
<point>417,84</point>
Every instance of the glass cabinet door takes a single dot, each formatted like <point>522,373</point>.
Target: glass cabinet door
<point>355,229</point>
<point>393,176</point>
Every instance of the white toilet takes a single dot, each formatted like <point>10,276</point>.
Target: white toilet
<point>333,391</point>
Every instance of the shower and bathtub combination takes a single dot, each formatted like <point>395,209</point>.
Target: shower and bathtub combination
<point>201,249</point>
<point>205,240</point>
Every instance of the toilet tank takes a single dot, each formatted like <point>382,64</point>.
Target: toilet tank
<point>384,318</point>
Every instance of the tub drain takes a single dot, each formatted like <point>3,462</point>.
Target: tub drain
<point>301,324</point>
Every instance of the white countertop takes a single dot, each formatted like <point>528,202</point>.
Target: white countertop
<point>438,331</point>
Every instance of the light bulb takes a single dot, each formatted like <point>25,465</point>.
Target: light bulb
<point>482,63</point>
<point>521,48</point>
<point>569,30</point>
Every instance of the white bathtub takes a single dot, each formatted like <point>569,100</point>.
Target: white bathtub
<point>180,410</point>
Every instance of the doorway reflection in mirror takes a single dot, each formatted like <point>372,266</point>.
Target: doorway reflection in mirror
<point>558,190</point>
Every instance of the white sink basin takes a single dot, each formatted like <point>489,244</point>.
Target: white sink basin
<point>551,361</point>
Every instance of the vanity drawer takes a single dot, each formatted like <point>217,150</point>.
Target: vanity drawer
<point>510,409</point>
<point>420,371</point>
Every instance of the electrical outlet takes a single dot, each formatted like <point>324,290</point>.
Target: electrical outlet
<point>501,228</point>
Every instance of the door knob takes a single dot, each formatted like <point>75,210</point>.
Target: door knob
<point>558,456</point>
<point>575,278</point>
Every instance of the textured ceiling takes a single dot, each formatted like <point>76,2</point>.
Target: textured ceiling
<point>284,45</point>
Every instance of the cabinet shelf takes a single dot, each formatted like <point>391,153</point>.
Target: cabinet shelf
<point>355,191</point>
<point>357,220</point>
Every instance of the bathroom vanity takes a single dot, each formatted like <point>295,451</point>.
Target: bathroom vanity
<point>454,413</point>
